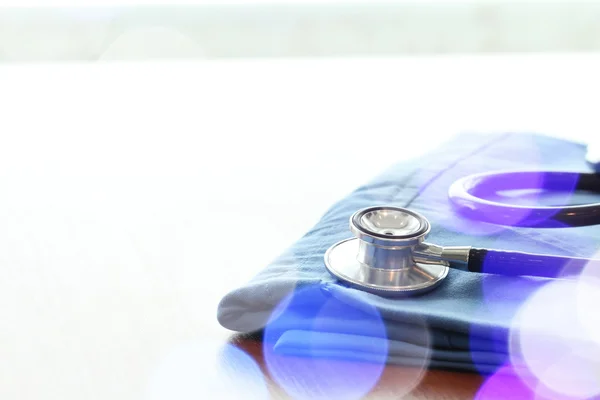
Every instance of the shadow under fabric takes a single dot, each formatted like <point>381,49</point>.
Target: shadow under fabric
<point>468,317</point>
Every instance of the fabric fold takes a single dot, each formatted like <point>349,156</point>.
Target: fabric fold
<point>468,317</point>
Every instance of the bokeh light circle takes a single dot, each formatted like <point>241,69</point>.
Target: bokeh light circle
<point>317,347</point>
<point>548,338</point>
<point>588,298</point>
<point>152,42</point>
<point>206,370</point>
<point>500,300</point>
<point>504,384</point>
<point>507,384</point>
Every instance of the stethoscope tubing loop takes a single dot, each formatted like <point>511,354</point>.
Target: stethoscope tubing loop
<point>468,195</point>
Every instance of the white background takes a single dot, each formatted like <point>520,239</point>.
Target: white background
<point>89,30</point>
<point>122,182</point>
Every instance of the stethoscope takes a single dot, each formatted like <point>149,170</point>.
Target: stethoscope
<point>388,254</point>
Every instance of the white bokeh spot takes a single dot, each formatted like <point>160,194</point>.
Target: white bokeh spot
<point>153,42</point>
<point>549,337</point>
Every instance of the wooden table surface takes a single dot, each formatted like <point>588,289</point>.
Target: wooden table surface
<point>433,384</point>
<point>119,183</point>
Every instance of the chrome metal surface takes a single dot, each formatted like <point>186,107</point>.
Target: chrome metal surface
<point>388,226</point>
<point>388,255</point>
<point>416,278</point>
<point>427,251</point>
<point>390,222</point>
<point>454,254</point>
<point>384,257</point>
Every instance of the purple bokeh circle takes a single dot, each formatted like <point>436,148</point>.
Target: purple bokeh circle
<point>312,349</point>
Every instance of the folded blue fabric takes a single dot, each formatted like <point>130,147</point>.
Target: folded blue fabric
<point>464,324</point>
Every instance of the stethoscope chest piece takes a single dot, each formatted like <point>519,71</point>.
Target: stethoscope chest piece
<point>383,257</point>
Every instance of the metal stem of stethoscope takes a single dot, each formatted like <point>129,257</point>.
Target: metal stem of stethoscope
<point>388,256</point>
